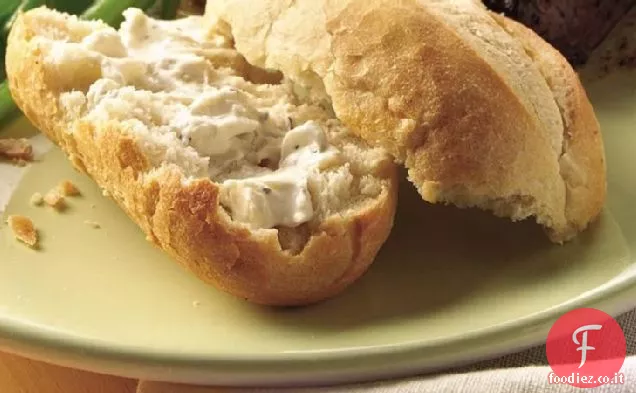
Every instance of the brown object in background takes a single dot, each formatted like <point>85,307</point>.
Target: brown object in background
<point>574,27</point>
<point>617,51</point>
<point>23,230</point>
<point>192,7</point>
<point>16,149</point>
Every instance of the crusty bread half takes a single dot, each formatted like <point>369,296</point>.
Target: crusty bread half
<point>582,162</point>
<point>481,111</point>
<point>120,104</point>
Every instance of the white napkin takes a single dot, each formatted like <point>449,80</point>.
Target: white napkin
<point>518,379</point>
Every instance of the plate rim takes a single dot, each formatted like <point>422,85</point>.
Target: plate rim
<point>307,368</point>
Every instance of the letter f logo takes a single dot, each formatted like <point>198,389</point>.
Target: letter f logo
<point>583,344</point>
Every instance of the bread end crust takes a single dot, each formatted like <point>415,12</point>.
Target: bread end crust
<point>184,218</point>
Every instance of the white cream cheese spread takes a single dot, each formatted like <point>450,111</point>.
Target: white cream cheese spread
<point>179,81</point>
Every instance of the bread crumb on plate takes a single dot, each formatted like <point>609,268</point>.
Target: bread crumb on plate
<point>37,199</point>
<point>20,162</point>
<point>93,224</point>
<point>18,150</point>
<point>67,188</point>
<point>54,199</point>
<point>23,230</point>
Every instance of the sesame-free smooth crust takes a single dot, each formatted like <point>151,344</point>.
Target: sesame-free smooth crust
<point>481,111</point>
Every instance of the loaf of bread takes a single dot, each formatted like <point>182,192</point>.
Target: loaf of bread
<point>481,111</point>
<point>252,187</point>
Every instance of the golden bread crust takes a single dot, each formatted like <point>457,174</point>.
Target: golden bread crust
<point>583,164</point>
<point>449,91</point>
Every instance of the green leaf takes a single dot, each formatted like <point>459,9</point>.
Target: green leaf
<point>7,10</point>
<point>110,11</point>
<point>74,7</point>
<point>8,109</point>
<point>169,9</point>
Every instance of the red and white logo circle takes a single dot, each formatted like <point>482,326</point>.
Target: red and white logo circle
<point>586,348</point>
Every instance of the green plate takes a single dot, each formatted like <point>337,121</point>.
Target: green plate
<point>473,286</point>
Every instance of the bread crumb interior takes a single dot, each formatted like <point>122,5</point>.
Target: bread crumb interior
<point>190,99</point>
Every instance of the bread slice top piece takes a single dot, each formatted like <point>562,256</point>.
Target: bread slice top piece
<point>221,164</point>
<point>463,101</point>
